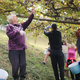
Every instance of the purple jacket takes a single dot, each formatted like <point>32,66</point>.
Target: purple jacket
<point>17,41</point>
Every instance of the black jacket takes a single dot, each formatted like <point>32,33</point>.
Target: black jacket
<point>78,45</point>
<point>54,39</point>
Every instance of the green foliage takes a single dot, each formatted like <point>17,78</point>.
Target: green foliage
<point>58,10</point>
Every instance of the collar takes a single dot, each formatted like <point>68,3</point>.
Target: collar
<point>15,24</point>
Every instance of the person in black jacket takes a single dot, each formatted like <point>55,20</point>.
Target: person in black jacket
<point>57,57</point>
<point>77,33</point>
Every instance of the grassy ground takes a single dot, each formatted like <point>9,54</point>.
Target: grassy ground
<point>34,58</point>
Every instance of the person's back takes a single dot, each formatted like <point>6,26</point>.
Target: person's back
<point>56,51</point>
<point>55,40</point>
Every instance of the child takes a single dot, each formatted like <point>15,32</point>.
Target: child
<point>48,54</point>
<point>71,57</point>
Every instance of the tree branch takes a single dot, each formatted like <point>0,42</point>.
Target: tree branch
<point>61,21</point>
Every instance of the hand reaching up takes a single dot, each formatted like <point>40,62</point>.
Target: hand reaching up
<point>33,11</point>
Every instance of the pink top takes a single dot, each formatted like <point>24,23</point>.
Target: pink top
<point>71,53</point>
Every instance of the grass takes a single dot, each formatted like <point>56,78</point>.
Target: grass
<point>34,58</point>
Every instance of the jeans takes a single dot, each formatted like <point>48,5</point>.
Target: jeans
<point>57,58</point>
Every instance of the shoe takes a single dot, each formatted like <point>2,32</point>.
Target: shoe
<point>16,78</point>
<point>43,63</point>
<point>22,78</point>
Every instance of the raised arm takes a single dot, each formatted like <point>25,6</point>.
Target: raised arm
<point>45,31</point>
<point>67,43</point>
<point>26,24</point>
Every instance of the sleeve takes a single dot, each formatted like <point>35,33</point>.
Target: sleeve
<point>25,24</point>
<point>11,33</point>
<point>78,45</point>
<point>46,33</point>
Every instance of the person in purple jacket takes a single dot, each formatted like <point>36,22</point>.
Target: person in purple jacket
<point>17,45</point>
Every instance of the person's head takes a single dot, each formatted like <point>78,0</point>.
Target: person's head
<point>54,27</point>
<point>77,33</point>
<point>12,19</point>
<point>72,45</point>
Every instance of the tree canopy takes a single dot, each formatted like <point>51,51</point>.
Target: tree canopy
<point>65,12</point>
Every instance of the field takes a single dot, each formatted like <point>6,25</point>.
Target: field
<point>34,58</point>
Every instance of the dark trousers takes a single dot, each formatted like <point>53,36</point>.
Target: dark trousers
<point>57,58</point>
<point>18,60</point>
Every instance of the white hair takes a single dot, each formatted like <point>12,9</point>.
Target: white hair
<point>73,44</point>
<point>10,17</point>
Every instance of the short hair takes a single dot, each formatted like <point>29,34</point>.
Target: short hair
<point>54,26</point>
<point>9,17</point>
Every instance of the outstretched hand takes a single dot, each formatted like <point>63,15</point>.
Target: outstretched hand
<point>33,11</point>
<point>48,27</point>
